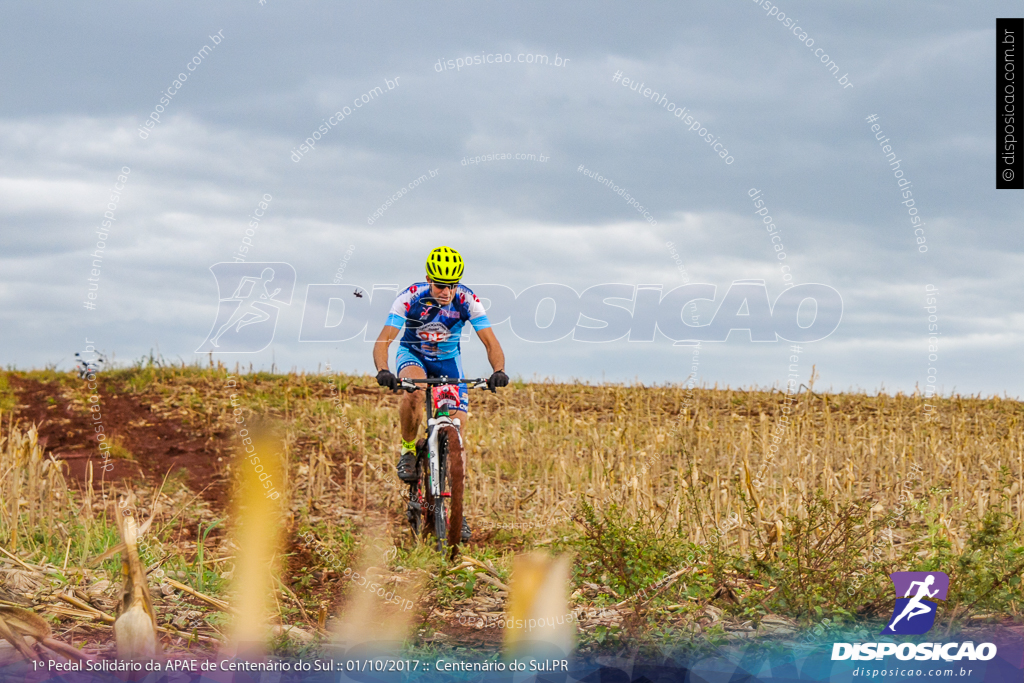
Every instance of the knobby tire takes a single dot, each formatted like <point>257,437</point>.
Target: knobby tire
<point>440,509</point>
<point>442,516</point>
<point>419,513</point>
<point>456,483</point>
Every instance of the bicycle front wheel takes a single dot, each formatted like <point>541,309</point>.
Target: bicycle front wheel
<point>456,486</point>
<point>440,503</point>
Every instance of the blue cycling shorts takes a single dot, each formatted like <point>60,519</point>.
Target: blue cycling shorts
<point>450,367</point>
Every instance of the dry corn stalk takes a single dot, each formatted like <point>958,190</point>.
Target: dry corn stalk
<point>135,628</point>
<point>31,486</point>
<point>18,626</point>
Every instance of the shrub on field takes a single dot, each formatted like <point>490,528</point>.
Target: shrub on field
<point>823,563</point>
<point>626,552</point>
<point>832,560</point>
<point>8,401</point>
<point>985,577</point>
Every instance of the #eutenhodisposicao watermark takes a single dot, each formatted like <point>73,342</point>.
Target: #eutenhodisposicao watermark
<point>662,100</point>
<point>931,308</point>
<point>90,366</point>
<point>102,234</point>
<point>621,191</point>
<point>905,188</point>
<point>903,184</point>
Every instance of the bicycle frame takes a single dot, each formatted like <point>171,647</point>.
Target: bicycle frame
<point>435,422</point>
<point>433,426</point>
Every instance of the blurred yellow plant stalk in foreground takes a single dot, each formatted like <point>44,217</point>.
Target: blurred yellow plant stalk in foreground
<point>538,607</point>
<point>257,535</point>
<point>379,604</point>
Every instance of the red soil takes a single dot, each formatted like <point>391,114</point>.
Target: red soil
<point>158,445</point>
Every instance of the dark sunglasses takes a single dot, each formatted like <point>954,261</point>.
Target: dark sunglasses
<point>440,285</point>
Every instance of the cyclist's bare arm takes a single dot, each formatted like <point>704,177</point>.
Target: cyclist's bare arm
<point>495,355</point>
<point>380,347</point>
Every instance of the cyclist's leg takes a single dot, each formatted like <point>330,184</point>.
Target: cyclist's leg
<point>411,404</point>
<point>409,365</point>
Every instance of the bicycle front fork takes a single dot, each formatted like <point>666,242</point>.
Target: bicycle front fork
<point>432,448</point>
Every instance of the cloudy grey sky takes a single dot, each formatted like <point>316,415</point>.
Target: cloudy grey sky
<point>79,81</point>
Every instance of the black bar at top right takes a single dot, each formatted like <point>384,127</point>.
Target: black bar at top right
<point>1009,154</point>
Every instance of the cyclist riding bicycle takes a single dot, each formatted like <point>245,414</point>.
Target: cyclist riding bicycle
<point>433,314</point>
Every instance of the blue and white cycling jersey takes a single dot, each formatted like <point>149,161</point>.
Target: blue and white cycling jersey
<point>432,330</point>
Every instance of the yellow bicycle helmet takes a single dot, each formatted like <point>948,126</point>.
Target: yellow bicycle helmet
<point>445,265</point>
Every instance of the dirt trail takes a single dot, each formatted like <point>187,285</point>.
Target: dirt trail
<point>156,444</point>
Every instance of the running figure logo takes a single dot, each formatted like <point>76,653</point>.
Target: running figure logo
<point>246,320</point>
<point>914,613</point>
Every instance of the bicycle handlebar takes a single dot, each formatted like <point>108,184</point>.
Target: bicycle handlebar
<point>409,384</point>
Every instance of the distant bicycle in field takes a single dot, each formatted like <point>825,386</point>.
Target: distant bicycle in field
<point>84,368</point>
<point>436,495</point>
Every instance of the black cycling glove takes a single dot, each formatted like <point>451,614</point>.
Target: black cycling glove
<point>386,379</point>
<point>498,379</point>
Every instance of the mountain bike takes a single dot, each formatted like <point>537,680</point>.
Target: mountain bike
<point>435,498</point>
<point>88,367</point>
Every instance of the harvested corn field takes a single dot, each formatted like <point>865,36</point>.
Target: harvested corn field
<point>707,513</point>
